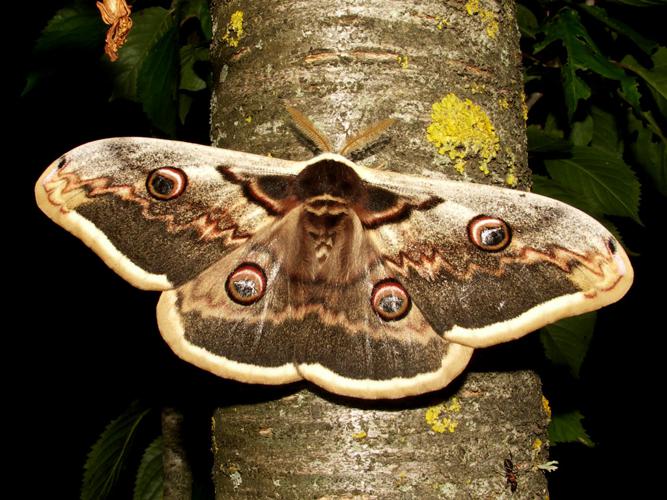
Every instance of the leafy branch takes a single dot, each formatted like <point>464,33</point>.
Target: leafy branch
<point>163,66</point>
<point>598,130</point>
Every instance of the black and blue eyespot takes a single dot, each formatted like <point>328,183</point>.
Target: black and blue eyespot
<point>166,183</point>
<point>489,233</point>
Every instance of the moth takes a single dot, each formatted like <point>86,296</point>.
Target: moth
<point>366,282</point>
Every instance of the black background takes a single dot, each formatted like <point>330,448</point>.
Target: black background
<point>82,343</point>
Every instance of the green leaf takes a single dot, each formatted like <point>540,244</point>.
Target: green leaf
<point>33,79</point>
<point>566,342</point>
<point>549,187</point>
<point>605,131</point>
<point>656,77</point>
<point>157,83</point>
<point>541,141</point>
<point>630,91</point>
<point>73,32</point>
<point>650,153</point>
<point>108,455</point>
<point>582,54</point>
<point>150,476</point>
<point>150,26</point>
<point>642,3</point>
<point>582,131</point>
<point>620,27</point>
<point>200,10</point>
<point>190,55</point>
<point>184,105</point>
<point>660,101</point>
<point>72,28</point>
<point>600,177</point>
<point>567,428</point>
<point>574,88</point>
<point>527,21</point>
<point>551,126</point>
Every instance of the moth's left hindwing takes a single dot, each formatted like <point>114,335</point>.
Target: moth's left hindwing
<point>368,283</point>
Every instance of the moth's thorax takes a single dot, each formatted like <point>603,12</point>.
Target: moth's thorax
<point>327,188</point>
<point>329,180</point>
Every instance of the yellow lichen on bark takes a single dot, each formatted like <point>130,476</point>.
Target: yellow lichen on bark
<point>510,177</point>
<point>441,22</point>
<point>488,17</point>
<point>537,445</point>
<point>477,88</point>
<point>524,107</point>
<point>546,406</point>
<point>403,61</point>
<point>234,31</point>
<point>443,423</point>
<point>461,129</point>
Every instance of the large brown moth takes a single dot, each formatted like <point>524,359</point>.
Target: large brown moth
<point>366,282</point>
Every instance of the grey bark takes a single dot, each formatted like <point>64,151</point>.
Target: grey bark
<point>343,63</point>
<point>177,473</point>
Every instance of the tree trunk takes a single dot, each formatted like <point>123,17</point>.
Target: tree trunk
<point>347,64</point>
<point>175,466</point>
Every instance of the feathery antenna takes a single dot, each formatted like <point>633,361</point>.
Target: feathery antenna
<point>308,129</point>
<point>366,136</point>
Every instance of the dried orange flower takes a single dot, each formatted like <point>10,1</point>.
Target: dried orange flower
<point>117,14</point>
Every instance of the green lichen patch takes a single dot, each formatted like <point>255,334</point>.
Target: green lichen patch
<point>461,129</point>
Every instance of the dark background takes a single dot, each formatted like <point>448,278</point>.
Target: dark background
<point>83,343</point>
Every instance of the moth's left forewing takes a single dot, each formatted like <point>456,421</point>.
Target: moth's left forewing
<point>560,262</point>
<point>99,192</point>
